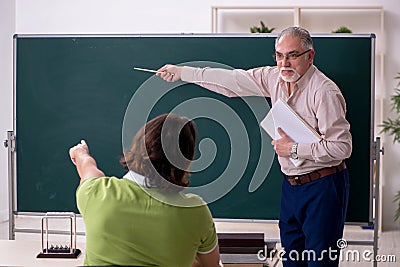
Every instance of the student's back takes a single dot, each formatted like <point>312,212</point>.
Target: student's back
<point>143,231</point>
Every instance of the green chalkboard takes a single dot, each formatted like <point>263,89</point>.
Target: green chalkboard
<point>70,88</point>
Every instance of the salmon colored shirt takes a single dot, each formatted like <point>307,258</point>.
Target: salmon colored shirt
<point>315,97</point>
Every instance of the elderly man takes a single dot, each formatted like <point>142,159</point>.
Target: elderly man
<point>314,194</point>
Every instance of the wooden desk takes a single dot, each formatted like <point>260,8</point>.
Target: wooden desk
<point>23,253</point>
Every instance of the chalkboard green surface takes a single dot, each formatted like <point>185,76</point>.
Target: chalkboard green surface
<point>70,88</point>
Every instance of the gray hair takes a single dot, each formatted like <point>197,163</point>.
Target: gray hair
<point>305,38</point>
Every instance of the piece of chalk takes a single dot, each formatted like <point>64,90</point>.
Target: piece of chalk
<point>142,69</point>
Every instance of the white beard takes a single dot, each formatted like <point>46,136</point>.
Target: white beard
<point>290,79</point>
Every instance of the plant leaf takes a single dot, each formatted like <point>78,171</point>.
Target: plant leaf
<point>392,127</point>
<point>397,212</point>
<point>396,100</point>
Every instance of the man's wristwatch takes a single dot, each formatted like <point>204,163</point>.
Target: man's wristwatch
<point>293,153</point>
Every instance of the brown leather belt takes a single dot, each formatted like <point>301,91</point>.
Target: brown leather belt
<point>315,175</point>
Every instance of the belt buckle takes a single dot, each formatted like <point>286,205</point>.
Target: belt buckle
<point>297,180</point>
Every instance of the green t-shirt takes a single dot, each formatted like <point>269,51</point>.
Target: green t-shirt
<point>126,226</point>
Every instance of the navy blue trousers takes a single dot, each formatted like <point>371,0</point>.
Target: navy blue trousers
<point>312,219</point>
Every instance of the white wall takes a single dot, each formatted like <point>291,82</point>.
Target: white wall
<point>391,159</point>
<point>177,16</point>
<point>7,22</point>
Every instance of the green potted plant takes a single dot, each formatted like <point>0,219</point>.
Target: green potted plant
<point>262,29</point>
<point>342,29</point>
<point>392,127</point>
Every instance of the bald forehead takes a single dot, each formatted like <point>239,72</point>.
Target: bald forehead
<point>288,42</point>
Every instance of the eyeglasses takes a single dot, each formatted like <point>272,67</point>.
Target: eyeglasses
<point>290,56</point>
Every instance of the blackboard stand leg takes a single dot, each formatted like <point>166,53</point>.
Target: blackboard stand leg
<point>10,145</point>
<point>376,156</point>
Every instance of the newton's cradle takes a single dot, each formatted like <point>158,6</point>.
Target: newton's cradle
<point>59,250</point>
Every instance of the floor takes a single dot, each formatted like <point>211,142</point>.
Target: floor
<point>352,255</point>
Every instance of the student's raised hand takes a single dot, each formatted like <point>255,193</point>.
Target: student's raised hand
<point>79,150</point>
<point>170,73</point>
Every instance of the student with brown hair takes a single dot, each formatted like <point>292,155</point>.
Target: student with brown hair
<point>131,221</point>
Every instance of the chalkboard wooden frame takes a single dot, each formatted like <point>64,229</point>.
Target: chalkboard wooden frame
<point>325,52</point>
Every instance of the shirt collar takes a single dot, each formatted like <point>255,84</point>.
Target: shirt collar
<point>136,178</point>
<point>305,79</point>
